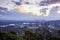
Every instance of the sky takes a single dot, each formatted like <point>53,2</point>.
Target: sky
<point>29,9</point>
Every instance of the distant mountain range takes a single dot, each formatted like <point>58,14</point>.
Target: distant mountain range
<point>34,21</point>
<point>17,22</point>
<point>53,22</point>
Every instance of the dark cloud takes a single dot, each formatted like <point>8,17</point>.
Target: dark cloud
<point>20,0</point>
<point>42,3</point>
<point>17,3</point>
<point>27,3</point>
<point>2,8</point>
<point>53,1</point>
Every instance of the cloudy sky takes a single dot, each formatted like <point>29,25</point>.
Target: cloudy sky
<point>29,9</point>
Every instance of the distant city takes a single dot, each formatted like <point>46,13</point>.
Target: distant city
<point>19,28</point>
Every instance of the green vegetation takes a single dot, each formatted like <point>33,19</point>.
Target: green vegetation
<point>32,36</point>
<point>9,36</point>
<point>28,35</point>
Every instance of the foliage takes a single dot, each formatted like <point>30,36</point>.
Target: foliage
<point>9,36</point>
<point>32,36</point>
<point>29,35</point>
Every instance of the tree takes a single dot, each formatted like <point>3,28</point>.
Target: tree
<point>9,36</point>
<point>32,36</point>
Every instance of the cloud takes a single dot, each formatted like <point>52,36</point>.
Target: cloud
<point>2,17</point>
<point>48,2</point>
<point>35,10</point>
<point>34,2</point>
<point>14,15</point>
<point>3,8</point>
<point>55,8</point>
<point>17,2</point>
<point>38,10</point>
<point>30,9</point>
<point>54,1</point>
